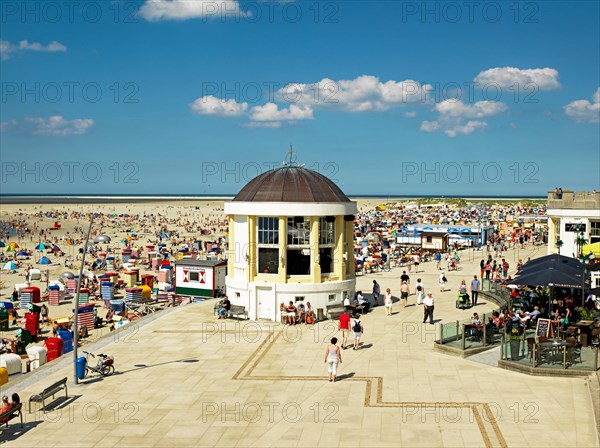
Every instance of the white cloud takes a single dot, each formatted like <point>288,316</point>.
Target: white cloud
<point>505,77</point>
<point>6,126</point>
<point>582,111</point>
<point>363,94</point>
<point>272,112</point>
<point>157,10</point>
<point>455,117</point>
<point>453,128</point>
<point>263,124</point>
<point>411,114</point>
<point>7,49</point>
<point>58,126</point>
<point>454,108</point>
<point>210,105</point>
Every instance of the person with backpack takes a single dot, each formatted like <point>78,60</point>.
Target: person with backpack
<point>358,329</point>
<point>442,281</point>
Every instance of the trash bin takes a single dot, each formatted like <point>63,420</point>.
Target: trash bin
<point>320,315</point>
<point>80,367</point>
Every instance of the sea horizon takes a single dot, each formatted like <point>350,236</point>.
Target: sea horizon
<point>96,198</point>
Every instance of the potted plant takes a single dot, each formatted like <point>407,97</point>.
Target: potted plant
<point>515,340</point>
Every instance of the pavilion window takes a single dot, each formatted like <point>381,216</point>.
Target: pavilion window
<point>594,231</point>
<point>298,245</point>
<point>268,245</point>
<point>326,243</point>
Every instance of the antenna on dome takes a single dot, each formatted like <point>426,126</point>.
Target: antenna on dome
<point>291,160</point>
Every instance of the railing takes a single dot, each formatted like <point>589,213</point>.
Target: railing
<point>528,352</point>
<point>497,292</point>
<point>465,336</point>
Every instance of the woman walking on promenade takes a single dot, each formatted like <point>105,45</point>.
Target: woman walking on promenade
<point>332,357</point>
<point>387,299</point>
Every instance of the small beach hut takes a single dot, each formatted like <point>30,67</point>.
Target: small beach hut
<point>200,277</point>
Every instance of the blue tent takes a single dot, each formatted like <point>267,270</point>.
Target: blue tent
<point>40,246</point>
<point>44,260</point>
<point>9,266</point>
<point>2,244</point>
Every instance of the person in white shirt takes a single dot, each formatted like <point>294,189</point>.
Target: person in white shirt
<point>442,281</point>
<point>419,291</point>
<point>388,301</point>
<point>429,305</point>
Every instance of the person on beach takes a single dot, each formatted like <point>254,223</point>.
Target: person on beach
<point>388,301</point>
<point>438,260</point>
<point>442,281</point>
<point>333,356</point>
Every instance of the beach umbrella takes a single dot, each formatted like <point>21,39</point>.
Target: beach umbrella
<point>68,275</point>
<point>9,266</point>
<point>550,276</point>
<point>10,249</point>
<point>40,246</point>
<point>44,260</point>
<point>2,244</point>
<point>555,261</point>
<point>56,249</point>
<point>13,245</point>
<point>22,253</point>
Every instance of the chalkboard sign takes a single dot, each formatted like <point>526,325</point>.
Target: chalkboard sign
<point>542,328</point>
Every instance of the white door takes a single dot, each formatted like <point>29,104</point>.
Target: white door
<point>264,303</point>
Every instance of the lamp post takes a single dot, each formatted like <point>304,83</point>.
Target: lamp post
<point>98,239</point>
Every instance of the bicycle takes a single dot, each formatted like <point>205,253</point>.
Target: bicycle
<point>104,367</point>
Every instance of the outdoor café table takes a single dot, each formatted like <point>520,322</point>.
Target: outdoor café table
<point>554,347</point>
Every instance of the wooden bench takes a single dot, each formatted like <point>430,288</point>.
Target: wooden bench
<point>15,412</point>
<point>50,391</point>
<point>334,311</point>
<point>237,311</point>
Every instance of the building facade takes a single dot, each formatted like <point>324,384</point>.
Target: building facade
<point>290,239</point>
<point>570,215</point>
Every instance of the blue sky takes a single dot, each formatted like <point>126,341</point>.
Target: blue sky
<point>391,98</point>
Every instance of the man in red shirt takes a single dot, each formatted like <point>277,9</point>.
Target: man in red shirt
<point>344,327</point>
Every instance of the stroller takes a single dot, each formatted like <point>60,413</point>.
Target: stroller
<point>463,302</point>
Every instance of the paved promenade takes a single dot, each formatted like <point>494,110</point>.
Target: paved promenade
<point>188,379</point>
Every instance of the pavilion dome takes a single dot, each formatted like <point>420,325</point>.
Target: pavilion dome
<point>291,184</point>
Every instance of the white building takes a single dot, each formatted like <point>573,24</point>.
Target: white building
<point>570,214</point>
<point>290,239</point>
